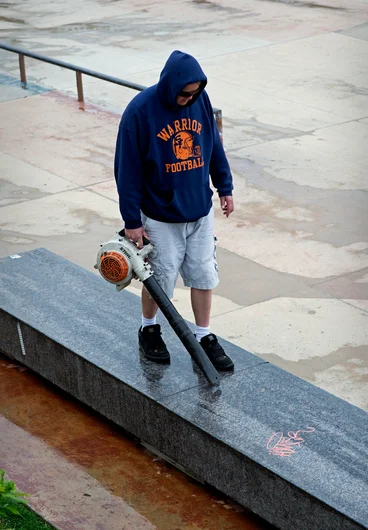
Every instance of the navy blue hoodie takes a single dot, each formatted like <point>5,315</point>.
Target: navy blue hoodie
<point>165,152</point>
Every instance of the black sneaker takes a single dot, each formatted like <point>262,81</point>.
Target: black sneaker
<point>152,345</point>
<point>216,354</point>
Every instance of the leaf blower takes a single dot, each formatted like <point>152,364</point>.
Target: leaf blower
<point>119,261</point>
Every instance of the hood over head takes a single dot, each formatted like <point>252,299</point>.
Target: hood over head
<point>181,69</point>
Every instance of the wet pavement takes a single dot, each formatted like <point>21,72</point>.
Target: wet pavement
<point>84,473</point>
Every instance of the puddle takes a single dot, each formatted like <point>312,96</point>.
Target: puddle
<point>298,3</point>
<point>10,19</point>
<point>216,6</point>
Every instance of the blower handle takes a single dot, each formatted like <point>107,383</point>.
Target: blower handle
<point>182,330</point>
<point>144,239</point>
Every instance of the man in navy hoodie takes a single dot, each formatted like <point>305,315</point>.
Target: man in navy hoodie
<point>167,149</point>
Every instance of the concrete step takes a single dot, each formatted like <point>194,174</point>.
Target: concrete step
<point>290,452</point>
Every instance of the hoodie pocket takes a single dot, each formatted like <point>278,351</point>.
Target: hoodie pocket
<point>193,201</point>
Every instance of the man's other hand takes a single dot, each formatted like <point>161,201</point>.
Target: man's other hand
<point>227,204</point>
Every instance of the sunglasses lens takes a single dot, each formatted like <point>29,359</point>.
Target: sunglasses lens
<point>185,94</point>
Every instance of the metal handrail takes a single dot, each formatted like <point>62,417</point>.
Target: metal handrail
<point>79,70</point>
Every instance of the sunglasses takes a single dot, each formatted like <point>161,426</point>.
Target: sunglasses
<point>185,94</point>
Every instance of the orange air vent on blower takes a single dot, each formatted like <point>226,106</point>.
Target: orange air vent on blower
<point>114,267</point>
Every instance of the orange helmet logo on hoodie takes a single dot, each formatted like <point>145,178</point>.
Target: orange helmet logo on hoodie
<point>183,145</point>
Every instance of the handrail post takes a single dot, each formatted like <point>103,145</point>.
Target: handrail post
<point>22,69</point>
<point>218,117</point>
<point>80,87</point>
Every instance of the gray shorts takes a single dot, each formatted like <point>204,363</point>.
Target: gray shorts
<point>185,248</point>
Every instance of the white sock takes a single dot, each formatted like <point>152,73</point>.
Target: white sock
<point>148,321</point>
<point>201,332</point>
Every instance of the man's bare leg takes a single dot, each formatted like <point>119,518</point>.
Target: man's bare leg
<point>149,306</point>
<point>149,336</point>
<point>201,304</point>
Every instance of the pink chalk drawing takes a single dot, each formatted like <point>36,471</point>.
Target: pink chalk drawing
<point>280,445</point>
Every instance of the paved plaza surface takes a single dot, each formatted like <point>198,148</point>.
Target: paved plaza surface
<point>291,79</point>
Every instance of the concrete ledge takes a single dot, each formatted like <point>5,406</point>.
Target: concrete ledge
<point>288,451</point>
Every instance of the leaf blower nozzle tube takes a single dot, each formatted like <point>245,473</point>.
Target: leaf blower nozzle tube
<point>182,330</point>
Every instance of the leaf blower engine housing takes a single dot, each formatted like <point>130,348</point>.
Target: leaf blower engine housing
<point>120,260</point>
